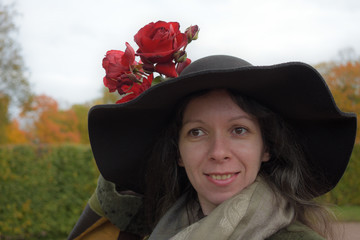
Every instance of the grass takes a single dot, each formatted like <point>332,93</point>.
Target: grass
<point>347,213</point>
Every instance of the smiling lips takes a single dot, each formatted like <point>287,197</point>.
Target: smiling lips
<point>222,179</point>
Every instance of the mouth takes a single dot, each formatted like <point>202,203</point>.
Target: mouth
<point>222,178</point>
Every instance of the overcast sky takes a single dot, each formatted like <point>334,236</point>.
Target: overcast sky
<point>63,42</point>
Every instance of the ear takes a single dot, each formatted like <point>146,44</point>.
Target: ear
<point>265,157</point>
<point>180,162</point>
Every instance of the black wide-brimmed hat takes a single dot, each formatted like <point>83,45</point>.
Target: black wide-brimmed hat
<point>121,134</point>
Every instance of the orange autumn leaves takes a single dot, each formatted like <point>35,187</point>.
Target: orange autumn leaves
<point>13,133</point>
<point>344,83</point>
<point>52,125</point>
<point>44,122</point>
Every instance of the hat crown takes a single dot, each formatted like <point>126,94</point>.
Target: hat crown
<point>214,63</point>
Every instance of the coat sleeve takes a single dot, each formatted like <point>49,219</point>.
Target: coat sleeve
<point>110,215</point>
<point>92,226</point>
<point>296,231</point>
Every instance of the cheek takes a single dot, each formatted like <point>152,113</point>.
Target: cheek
<point>251,156</point>
<point>190,156</point>
<point>185,156</point>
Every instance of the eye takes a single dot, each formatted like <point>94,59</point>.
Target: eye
<point>196,132</point>
<point>239,131</point>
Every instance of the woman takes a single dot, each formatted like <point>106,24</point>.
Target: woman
<point>225,151</point>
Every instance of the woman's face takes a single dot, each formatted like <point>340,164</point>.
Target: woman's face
<point>221,148</point>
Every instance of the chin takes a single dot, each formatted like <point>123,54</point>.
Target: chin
<point>222,197</point>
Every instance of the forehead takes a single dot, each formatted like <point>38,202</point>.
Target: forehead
<point>213,103</point>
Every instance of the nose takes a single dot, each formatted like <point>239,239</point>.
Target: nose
<point>219,149</point>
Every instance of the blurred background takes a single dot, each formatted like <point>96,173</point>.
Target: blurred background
<point>51,74</point>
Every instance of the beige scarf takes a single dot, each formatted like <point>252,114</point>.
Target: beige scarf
<point>254,213</point>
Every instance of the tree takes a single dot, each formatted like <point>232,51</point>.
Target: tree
<point>14,87</point>
<point>81,112</point>
<point>346,55</point>
<point>4,120</point>
<point>48,124</point>
<point>14,134</point>
<point>107,97</point>
<point>12,75</point>
<point>344,82</point>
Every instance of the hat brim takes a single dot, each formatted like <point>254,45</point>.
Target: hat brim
<point>121,134</point>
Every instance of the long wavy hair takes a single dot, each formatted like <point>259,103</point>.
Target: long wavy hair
<point>287,171</point>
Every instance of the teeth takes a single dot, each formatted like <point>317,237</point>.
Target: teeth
<point>221,177</point>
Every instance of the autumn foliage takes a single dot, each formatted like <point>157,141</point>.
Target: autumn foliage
<point>14,134</point>
<point>51,125</point>
<point>344,83</point>
<point>44,122</point>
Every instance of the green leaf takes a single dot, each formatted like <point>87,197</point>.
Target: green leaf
<point>157,80</point>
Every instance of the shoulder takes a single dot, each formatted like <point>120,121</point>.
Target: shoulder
<point>296,231</point>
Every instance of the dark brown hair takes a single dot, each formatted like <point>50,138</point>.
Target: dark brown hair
<point>287,171</point>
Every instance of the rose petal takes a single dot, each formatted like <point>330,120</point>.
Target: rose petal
<point>181,66</point>
<point>148,81</point>
<point>127,98</point>
<point>111,84</point>
<point>168,69</point>
<point>129,56</point>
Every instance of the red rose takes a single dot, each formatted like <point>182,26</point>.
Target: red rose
<point>159,41</point>
<point>137,88</point>
<point>116,64</point>
<point>161,49</point>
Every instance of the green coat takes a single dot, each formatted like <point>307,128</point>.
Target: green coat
<point>296,231</point>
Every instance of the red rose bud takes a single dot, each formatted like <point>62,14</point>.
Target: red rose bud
<point>181,66</point>
<point>192,33</point>
<point>149,68</point>
<point>180,56</point>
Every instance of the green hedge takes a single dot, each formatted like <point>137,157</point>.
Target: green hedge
<point>43,190</point>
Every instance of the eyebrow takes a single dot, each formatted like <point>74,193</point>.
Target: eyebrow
<point>241,117</point>
<point>192,121</point>
<point>230,120</point>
